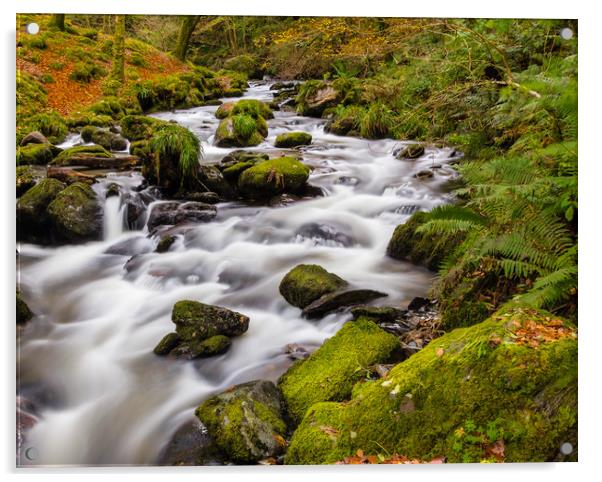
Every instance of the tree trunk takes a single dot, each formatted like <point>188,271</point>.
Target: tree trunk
<point>188,24</point>
<point>58,21</point>
<point>118,72</point>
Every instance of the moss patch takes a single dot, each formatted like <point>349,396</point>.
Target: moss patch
<point>489,381</point>
<point>32,218</point>
<point>331,371</point>
<point>293,139</point>
<point>76,214</point>
<point>38,154</point>
<point>69,157</point>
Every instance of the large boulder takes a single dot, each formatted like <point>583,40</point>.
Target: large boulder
<point>330,373</point>
<point>224,110</point>
<point>34,137</point>
<point>293,139</point>
<point>246,421</point>
<point>76,214</point>
<point>24,314</point>
<point>273,177</point>
<point>33,221</point>
<point>505,389</point>
<point>201,330</point>
<point>306,283</point>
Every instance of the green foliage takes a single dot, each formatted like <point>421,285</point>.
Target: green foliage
<point>85,72</point>
<point>173,141</point>
<point>377,122</point>
<point>244,125</point>
<point>254,108</point>
<point>51,124</point>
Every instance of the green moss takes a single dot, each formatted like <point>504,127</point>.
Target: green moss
<point>293,139</point>
<point>233,172</point>
<point>51,124</point>
<point>215,345</point>
<point>268,178</point>
<point>81,119</point>
<point>483,378</point>
<point>306,283</point>
<point>238,131</point>
<point>85,72</point>
<point>39,154</point>
<point>224,110</point>
<point>32,217</point>
<point>25,179</point>
<point>76,214</point>
<point>246,63</point>
<point>104,138</point>
<point>377,122</point>
<point>139,127</point>
<point>109,106</point>
<point>69,156</point>
<point>246,421</point>
<point>331,371</point>
<point>407,244</point>
<point>24,314</point>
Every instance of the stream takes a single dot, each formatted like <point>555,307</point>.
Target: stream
<point>86,359</point>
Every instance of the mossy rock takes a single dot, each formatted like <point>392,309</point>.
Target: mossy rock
<point>246,421</point>
<point>167,344</point>
<point>71,156</point>
<point>254,108</point>
<point>510,380</point>
<point>215,345</point>
<point>315,96</point>
<point>139,127</point>
<point>76,214</point>
<point>34,137</point>
<point>269,178</point>
<point>410,151</point>
<point>406,244</point>
<point>33,222</point>
<point>330,373</point>
<point>36,154</point>
<point>82,119</point>
<point>197,322</point>
<point>24,314</point>
<point>105,138</point>
<point>26,178</point>
<point>212,179</point>
<point>239,131</point>
<point>293,139</point>
<point>306,283</point>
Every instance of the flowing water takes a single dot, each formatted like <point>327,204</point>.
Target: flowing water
<point>86,359</point>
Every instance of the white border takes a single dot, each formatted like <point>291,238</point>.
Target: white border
<point>590,338</point>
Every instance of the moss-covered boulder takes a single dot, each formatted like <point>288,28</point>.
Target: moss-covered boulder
<point>33,221</point>
<point>306,283</point>
<point>104,137</point>
<point>34,137</point>
<point>224,110</point>
<point>138,127</point>
<point>210,178</point>
<point>330,373</point>
<point>406,244</point>
<point>233,164</point>
<point>272,177</point>
<point>254,108</point>
<point>76,214</point>
<point>509,383</point>
<point>246,421</point>
<point>293,139</point>
<point>201,330</point>
<point>24,314</point>
<point>78,155</point>
<point>37,154</point>
<point>240,131</point>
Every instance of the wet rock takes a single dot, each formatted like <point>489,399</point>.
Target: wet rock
<point>246,421</point>
<point>331,371</point>
<point>348,181</point>
<point>307,282</point>
<point>317,97</point>
<point>424,174</point>
<point>34,137</point>
<point>167,344</point>
<point>310,191</point>
<point>134,209</point>
<point>203,330</point>
<point>130,247</point>
<point>165,243</point>
<point>171,213</point>
<point>273,177</point>
<point>282,85</point>
<point>410,151</point>
<point>33,220</point>
<point>339,299</point>
<point>418,303</point>
<point>191,445</point>
<point>204,197</point>
<point>378,313</point>
<point>296,351</point>
<point>330,233</point>
<point>113,189</point>
<point>293,139</point>
<point>24,314</point>
<point>75,214</point>
<point>407,209</point>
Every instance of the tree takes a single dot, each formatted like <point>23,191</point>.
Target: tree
<point>58,21</point>
<point>187,27</point>
<point>118,72</point>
